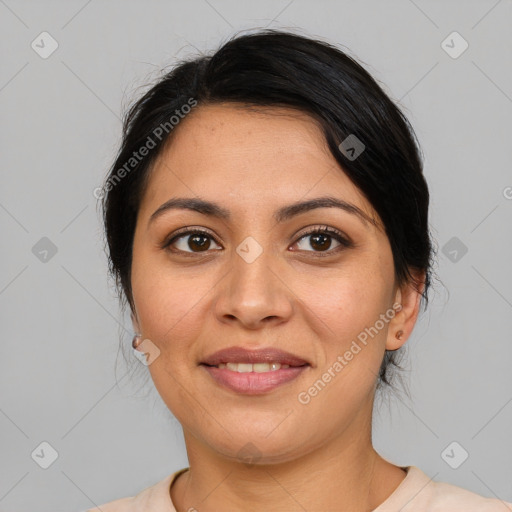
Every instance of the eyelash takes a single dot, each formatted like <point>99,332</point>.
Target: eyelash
<point>317,230</point>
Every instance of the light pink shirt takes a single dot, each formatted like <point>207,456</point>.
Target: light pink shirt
<point>416,493</point>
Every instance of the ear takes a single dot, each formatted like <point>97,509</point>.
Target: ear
<point>409,296</point>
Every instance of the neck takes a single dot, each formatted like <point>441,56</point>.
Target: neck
<point>346,474</point>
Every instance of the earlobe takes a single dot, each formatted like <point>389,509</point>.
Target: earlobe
<point>137,340</point>
<point>396,338</point>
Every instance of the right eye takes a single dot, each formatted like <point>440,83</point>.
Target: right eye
<point>190,241</point>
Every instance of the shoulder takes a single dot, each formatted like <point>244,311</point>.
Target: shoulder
<point>155,498</point>
<point>448,497</point>
<point>420,493</point>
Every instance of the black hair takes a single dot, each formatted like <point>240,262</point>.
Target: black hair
<point>273,68</point>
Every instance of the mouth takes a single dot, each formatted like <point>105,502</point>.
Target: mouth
<point>253,371</point>
<point>251,367</point>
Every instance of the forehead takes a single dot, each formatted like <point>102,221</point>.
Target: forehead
<point>234,131</point>
<point>251,157</point>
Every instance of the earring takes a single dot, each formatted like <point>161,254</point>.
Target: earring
<point>398,335</point>
<point>137,339</point>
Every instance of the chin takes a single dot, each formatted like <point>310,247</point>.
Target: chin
<point>259,449</point>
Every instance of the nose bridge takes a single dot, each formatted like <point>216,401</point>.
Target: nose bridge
<point>252,265</point>
<point>253,290</point>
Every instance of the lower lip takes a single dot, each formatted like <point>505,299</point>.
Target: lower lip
<point>253,383</point>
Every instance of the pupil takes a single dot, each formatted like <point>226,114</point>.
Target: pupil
<point>322,238</point>
<point>203,246</point>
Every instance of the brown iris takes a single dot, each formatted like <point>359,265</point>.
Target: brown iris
<point>320,241</point>
<point>199,242</point>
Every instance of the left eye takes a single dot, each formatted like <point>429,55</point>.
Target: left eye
<point>321,240</point>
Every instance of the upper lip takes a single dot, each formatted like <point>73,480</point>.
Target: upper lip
<point>262,355</point>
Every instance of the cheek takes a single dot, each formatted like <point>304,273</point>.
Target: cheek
<point>171,309</point>
<point>170,306</point>
<point>351,339</point>
<point>345,302</point>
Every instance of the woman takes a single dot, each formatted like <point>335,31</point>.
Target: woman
<point>267,224</point>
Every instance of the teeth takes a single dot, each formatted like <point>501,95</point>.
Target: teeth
<point>256,367</point>
<point>242,367</point>
<point>261,367</point>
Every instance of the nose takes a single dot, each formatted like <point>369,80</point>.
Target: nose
<point>254,294</point>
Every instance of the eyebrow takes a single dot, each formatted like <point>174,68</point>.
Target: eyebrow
<point>285,213</point>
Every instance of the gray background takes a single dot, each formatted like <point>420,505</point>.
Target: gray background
<point>62,377</point>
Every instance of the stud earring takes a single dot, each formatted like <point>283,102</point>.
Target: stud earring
<point>137,339</point>
<point>399,334</point>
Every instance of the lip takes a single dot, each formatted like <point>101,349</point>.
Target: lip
<point>253,383</point>
<point>262,355</point>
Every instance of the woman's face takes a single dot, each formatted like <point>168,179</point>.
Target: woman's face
<point>257,282</point>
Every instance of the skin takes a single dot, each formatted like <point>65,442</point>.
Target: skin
<point>317,456</point>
